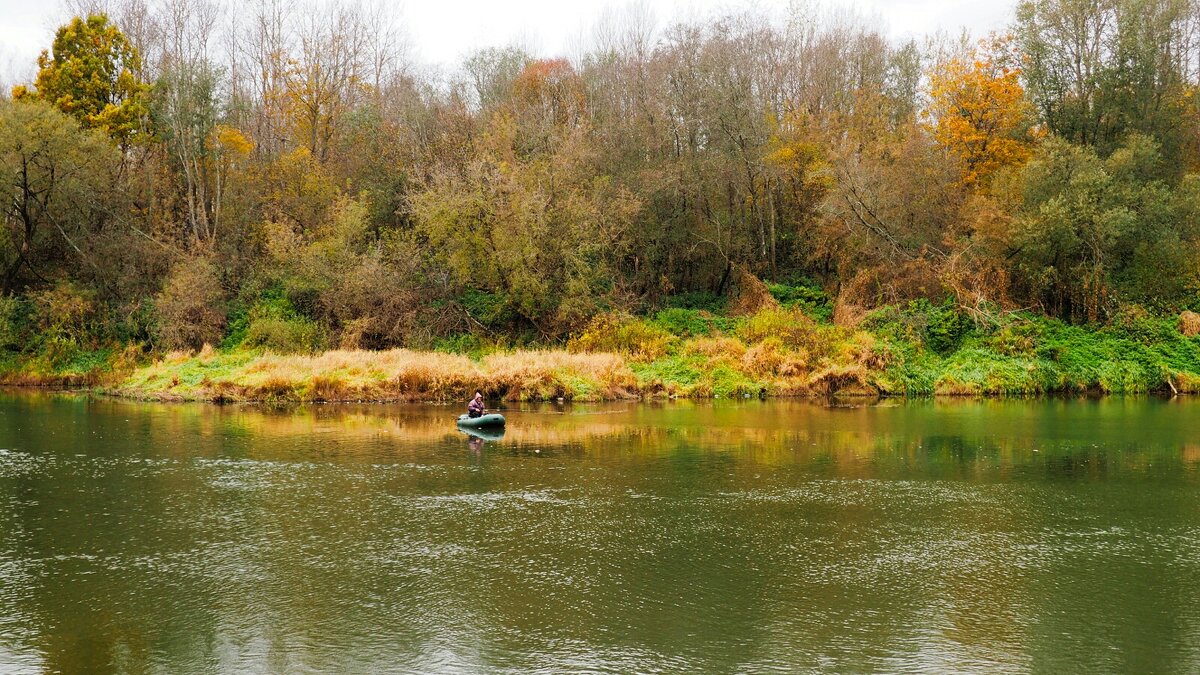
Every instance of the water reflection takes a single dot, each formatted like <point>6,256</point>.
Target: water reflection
<point>1057,535</point>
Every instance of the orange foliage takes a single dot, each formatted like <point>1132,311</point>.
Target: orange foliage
<point>980,114</point>
<point>553,87</point>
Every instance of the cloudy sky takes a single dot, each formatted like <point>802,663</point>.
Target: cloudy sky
<point>442,30</point>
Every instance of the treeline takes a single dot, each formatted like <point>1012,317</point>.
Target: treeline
<point>181,174</point>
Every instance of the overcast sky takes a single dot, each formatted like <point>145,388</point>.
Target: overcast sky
<point>440,31</point>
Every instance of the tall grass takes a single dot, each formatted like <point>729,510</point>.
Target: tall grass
<point>921,349</point>
<point>394,375</point>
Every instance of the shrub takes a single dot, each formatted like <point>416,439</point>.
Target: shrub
<point>460,344</point>
<point>273,323</point>
<point>490,309</point>
<point>1018,338</point>
<point>284,335</point>
<point>698,300</point>
<point>793,328</point>
<point>190,307</point>
<point>945,325</point>
<point>1137,324</point>
<point>67,313</point>
<point>623,334</point>
<point>941,328</point>
<point>690,322</point>
<point>14,323</point>
<point>805,295</point>
<point>868,351</point>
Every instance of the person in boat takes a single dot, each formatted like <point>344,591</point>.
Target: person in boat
<point>475,408</point>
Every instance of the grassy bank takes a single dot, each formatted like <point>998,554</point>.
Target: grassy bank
<point>790,347</point>
<point>911,351</point>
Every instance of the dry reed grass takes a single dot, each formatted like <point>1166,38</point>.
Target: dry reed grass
<point>843,380</point>
<point>750,295</point>
<point>1189,323</point>
<point>714,348</point>
<point>394,375</point>
<point>1186,383</point>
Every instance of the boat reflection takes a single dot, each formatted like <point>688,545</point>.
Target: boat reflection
<point>484,433</point>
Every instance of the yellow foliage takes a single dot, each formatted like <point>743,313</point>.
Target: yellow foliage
<point>980,114</point>
<point>625,335</point>
<point>719,347</point>
<point>793,328</point>
<point>232,141</point>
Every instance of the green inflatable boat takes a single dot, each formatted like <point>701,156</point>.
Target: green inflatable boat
<point>489,421</point>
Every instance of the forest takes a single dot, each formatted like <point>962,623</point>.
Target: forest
<point>210,201</point>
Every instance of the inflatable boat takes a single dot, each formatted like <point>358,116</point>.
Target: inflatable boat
<point>489,421</point>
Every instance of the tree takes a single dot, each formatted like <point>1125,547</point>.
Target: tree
<point>185,109</point>
<point>59,178</point>
<point>979,113</point>
<point>542,232</point>
<point>90,74</point>
<point>492,73</point>
<point>1099,69</point>
<point>328,76</point>
<point>1090,233</point>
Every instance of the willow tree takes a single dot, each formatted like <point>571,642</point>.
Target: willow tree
<point>57,177</point>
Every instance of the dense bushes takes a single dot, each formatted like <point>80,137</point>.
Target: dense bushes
<point>191,306</point>
<point>274,324</point>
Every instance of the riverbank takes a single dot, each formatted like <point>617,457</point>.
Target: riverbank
<point>915,351</point>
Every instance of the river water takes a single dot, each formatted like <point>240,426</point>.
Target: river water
<point>929,536</point>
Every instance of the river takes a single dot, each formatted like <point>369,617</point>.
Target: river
<point>999,536</point>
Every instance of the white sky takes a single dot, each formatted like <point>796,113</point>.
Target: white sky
<point>441,31</point>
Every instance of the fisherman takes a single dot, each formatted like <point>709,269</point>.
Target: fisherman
<point>475,407</point>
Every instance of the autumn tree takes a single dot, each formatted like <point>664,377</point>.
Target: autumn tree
<point>979,114</point>
<point>542,233</point>
<point>327,76</point>
<point>90,73</point>
<point>59,179</point>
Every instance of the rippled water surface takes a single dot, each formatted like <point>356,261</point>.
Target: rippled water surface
<point>998,536</point>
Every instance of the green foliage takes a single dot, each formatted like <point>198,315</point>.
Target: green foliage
<point>944,325</point>
<point>15,323</point>
<point>698,300</point>
<point>542,231</point>
<point>793,328</point>
<point>691,322</point>
<point>467,343</point>
<point>273,323</point>
<point>939,328</point>
<point>806,295</point>
<point>1127,84</point>
<point>490,309</point>
<point>64,191</point>
<point>67,314</point>
<point>1090,232</point>
<point>284,335</point>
